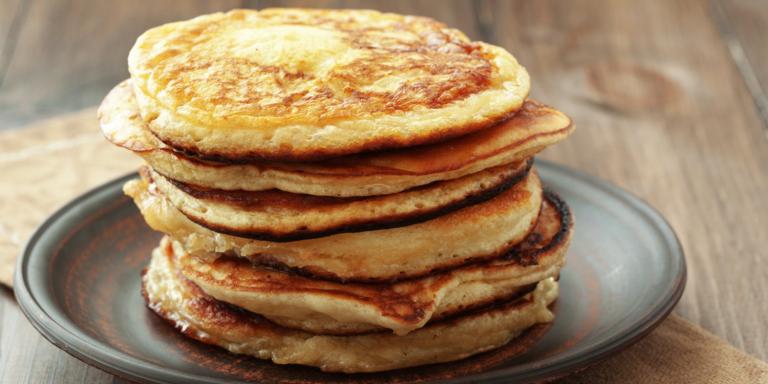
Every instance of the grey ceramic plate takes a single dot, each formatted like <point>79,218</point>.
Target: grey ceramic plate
<point>78,283</point>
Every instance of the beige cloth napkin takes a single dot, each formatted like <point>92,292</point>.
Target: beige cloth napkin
<point>45,165</point>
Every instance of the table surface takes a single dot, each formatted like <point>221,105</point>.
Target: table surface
<point>669,100</point>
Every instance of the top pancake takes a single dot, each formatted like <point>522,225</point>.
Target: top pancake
<point>298,84</point>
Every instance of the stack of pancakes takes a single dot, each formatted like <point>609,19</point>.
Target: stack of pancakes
<point>350,190</point>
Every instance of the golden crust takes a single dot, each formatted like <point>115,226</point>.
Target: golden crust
<point>322,306</point>
<point>199,316</point>
<point>479,231</point>
<point>298,84</point>
<point>282,216</point>
<point>532,129</point>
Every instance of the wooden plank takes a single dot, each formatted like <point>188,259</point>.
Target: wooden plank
<point>12,14</point>
<point>454,13</point>
<point>744,25</point>
<point>70,53</point>
<point>28,358</point>
<point>662,111</point>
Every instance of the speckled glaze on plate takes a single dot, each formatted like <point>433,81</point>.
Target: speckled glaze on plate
<point>78,283</point>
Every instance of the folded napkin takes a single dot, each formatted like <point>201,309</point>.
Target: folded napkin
<point>677,352</point>
<point>46,165</point>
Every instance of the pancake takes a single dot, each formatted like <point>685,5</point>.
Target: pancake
<point>330,307</point>
<point>480,231</point>
<point>300,84</point>
<point>282,216</point>
<point>201,317</point>
<point>532,129</point>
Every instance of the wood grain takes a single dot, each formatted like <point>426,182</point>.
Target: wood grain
<point>662,111</point>
<point>744,26</point>
<point>11,19</point>
<point>69,53</point>
<point>26,357</point>
<point>662,107</point>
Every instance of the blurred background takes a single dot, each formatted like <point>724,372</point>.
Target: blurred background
<point>637,57</point>
<point>668,97</point>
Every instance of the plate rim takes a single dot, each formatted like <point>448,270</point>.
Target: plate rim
<point>94,352</point>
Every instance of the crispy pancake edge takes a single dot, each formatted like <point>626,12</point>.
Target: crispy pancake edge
<point>360,175</point>
<point>512,252</point>
<point>217,323</point>
<point>339,256</point>
<point>401,306</point>
<point>266,232</point>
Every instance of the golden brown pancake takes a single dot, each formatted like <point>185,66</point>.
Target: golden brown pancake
<point>479,231</point>
<point>321,306</point>
<point>532,129</point>
<point>282,216</point>
<point>300,84</point>
<point>203,318</point>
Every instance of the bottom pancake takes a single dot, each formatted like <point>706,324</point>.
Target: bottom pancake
<point>203,318</point>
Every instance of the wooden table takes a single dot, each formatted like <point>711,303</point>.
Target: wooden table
<point>669,98</point>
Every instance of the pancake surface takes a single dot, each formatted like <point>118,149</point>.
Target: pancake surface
<point>282,216</point>
<point>533,128</point>
<point>299,84</point>
<point>199,316</point>
<point>479,231</point>
<point>322,306</point>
